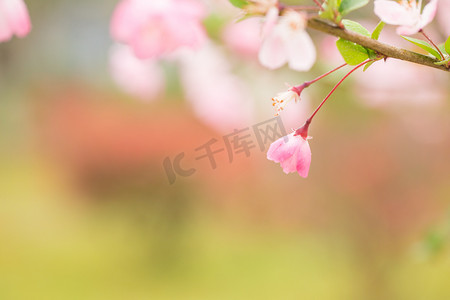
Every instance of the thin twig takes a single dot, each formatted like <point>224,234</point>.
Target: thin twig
<point>335,87</point>
<point>319,4</point>
<point>308,83</point>
<point>381,48</point>
<point>437,48</point>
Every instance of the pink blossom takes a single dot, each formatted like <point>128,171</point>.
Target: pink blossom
<point>398,84</point>
<point>157,27</point>
<point>292,152</point>
<point>286,41</point>
<point>406,13</point>
<point>140,78</point>
<point>243,37</point>
<point>14,19</point>
<point>218,97</point>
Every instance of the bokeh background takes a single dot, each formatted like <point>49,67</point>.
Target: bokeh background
<point>87,210</point>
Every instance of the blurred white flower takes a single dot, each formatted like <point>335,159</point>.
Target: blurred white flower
<point>395,82</point>
<point>243,37</point>
<point>218,97</point>
<point>14,19</point>
<point>140,78</point>
<point>406,13</point>
<point>285,40</point>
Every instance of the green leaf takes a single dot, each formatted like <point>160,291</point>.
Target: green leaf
<point>424,45</point>
<point>355,27</point>
<point>351,5</point>
<point>434,241</point>
<point>352,53</point>
<point>368,65</point>
<point>444,62</point>
<point>442,48</point>
<point>329,9</point>
<point>372,54</point>
<point>238,3</point>
<point>376,32</point>
<point>214,24</point>
<point>447,45</point>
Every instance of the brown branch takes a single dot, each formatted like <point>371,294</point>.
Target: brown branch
<point>381,48</point>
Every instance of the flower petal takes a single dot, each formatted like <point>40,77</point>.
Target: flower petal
<point>137,77</point>
<point>393,13</point>
<point>272,53</point>
<point>284,147</point>
<point>14,19</point>
<point>428,13</point>
<point>304,160</point>
<point>408,30</point>
<point>299,161</point>
<point>5,30</point>
<point>301,51</point>
<point>270,22</point>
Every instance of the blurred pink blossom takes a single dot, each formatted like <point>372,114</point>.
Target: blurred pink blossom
<point>394,82</point>
<point>329,54</point>
<point>285,40</point>
<point>443,16</point>
<point>243,37</point>
<point>292,152</point>
<point>406,13</point>
<point>218,97</point>
<point>14,19</point>
<point>140,78</point>
<point>157,27</point>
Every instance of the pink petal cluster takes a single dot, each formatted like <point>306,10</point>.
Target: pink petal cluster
<point>292,152</point>
<point>406,13</point>
<point>285,40</point>
<point>140,78</point>
<point>14,19</point>
<point>156,27</point>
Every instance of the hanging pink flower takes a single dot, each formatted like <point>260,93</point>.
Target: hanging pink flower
<point>292,152</point>
<point>285,40</point>
<point>14,19</point>
<point>406,13</point>
<point>157,27</point>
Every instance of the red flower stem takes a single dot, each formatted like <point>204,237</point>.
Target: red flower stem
<point>335,87</point>
<point>318,4</point>
<point>308,83</point>
<point>437,48</point>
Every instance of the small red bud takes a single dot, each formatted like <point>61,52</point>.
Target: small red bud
<point>303,131</point>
